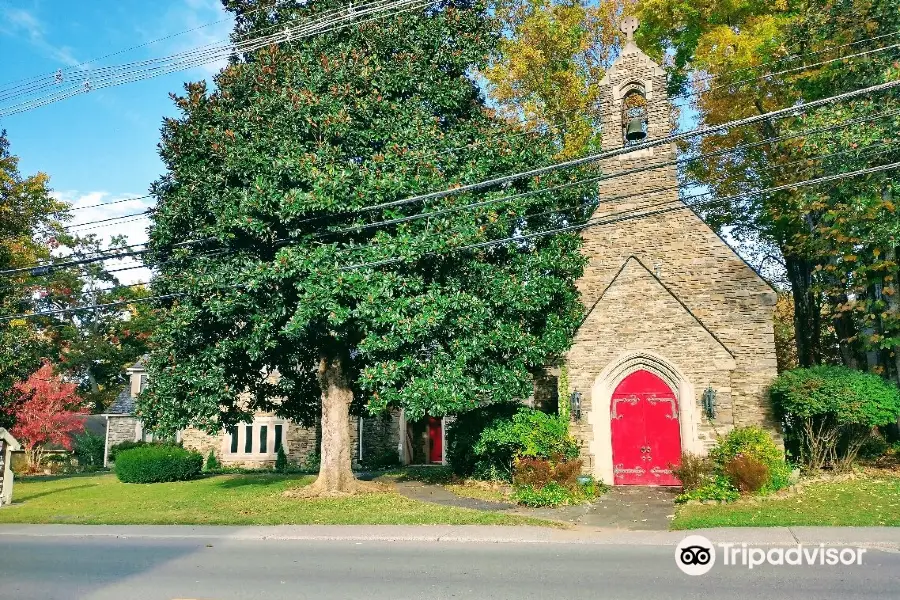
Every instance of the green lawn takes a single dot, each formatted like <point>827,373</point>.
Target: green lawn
<point>865,501</point>
<point>220,500</point>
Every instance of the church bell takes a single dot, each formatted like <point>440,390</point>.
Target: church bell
<point>635,130</point>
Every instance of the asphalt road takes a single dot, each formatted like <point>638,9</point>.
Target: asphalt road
<point>46,568</point>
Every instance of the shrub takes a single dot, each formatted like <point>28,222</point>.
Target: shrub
<point>464,432</point>
<point>385,459</point>
<point>551,494</point>
<point>755,443</point>
<point>212,461</point>
<point>542,482</point>
<point>529,433</point>
<point>829,412</point>
<point>694,471</point>
<point>719,489</point>
<point>312,462</point>
<point>875,446</point>
<point>281,463</point>
<point>116,448</point>
<point>89,449</point>
<point>156,463</point>
<point>747,474</point>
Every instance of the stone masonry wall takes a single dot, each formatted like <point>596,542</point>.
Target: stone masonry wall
<point>121,429</point>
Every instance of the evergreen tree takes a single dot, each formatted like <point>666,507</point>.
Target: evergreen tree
<point>273,169</point>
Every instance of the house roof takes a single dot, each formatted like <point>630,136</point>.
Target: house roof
<point>123,404</point>
<point>140,365</point>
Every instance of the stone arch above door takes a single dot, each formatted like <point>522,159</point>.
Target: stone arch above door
<point>601,396</point>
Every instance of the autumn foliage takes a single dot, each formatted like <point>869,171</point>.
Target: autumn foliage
<point>48,412</point>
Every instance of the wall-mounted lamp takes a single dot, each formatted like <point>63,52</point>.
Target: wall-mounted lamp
<point>709,402</point>
<point>575,405</point>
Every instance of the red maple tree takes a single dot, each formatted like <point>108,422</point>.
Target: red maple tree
<point>49,412</point>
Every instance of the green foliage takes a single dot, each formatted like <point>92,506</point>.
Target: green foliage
<point>281,462</point>
<point>747,474</point>
<point>720,489</point>
<point>89,449</point>
<point>128,445</point>
<point>852,397</point>
<point>157,463</point>
<point>311,463</point>
<point>874,447</point>
<point>830,412</point>
<point>694,471</point>
<point>386,458</point>
<point>551,494</point>
<point>212,462</point>
<point>465,430</point>
<point>293,141</point>
<point>529,433</point>
<point>756,443</point>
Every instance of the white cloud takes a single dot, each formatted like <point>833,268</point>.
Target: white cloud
<point>133,228</point>
<point>211,23</point>
<point>19,23</point>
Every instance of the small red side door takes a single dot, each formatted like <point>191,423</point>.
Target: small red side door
<point>435,440</point>
<point>646,437</point>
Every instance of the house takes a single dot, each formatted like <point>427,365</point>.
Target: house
<point>677,342</point>
<point>256,444</point>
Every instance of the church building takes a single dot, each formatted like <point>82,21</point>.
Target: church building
<point>677,343</point>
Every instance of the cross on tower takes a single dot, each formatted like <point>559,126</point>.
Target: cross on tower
<point>628,26</point>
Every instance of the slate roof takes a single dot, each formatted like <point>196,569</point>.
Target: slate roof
<point>123,404</point>
<point>141,363</point>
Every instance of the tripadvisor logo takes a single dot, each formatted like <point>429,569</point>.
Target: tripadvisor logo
<point>696,555</point>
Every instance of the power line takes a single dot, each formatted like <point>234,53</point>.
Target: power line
<point>107,77</point>
<point>592,223</point>
<point>605,220</point>
<point>577,162</point>
<point>101,204</point>
<point>796,56</point>
<point>698,131</point>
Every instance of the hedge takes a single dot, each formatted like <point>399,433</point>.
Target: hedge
<point>152,464</point>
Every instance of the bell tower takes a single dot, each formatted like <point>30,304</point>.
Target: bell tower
<point>636,109</point>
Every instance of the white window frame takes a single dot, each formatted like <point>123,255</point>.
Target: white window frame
<point>255,454</point>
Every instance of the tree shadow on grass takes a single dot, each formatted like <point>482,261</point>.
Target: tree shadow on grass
<point>435,475</point>
<point>53,491</point>
<point>239,481</point>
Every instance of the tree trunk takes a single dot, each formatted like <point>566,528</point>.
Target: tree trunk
<point>335,472</point>
<point>844,329</point>
<point>807,312</point>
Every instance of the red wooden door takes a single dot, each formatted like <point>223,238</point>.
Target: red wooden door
<point>646,437</point>
<point>435,440</point>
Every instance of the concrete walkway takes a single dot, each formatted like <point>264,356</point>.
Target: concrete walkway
<point>629,508</point>
<point>882,538</point>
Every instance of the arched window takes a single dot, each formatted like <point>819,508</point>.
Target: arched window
<point>634,117</point>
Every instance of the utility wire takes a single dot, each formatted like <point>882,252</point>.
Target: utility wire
<point>188,60</point>
<point>606,220</point>
<point>811,131</point>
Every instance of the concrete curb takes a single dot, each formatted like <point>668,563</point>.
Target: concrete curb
<point>881,538</point>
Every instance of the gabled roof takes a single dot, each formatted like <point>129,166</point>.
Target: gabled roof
<point>123,404</point>
<point>140,365</point>
<point>635,259</point>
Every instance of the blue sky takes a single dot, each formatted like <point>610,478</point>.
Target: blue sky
<point>100,146</point>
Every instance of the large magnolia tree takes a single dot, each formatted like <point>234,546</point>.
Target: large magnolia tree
<point>282,308</point>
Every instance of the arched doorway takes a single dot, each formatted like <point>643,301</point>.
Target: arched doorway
<point>645,431</point>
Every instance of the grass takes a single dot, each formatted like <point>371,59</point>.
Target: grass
<point>872,500</point>
<point>221,500</point>
<point>481,491</point>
